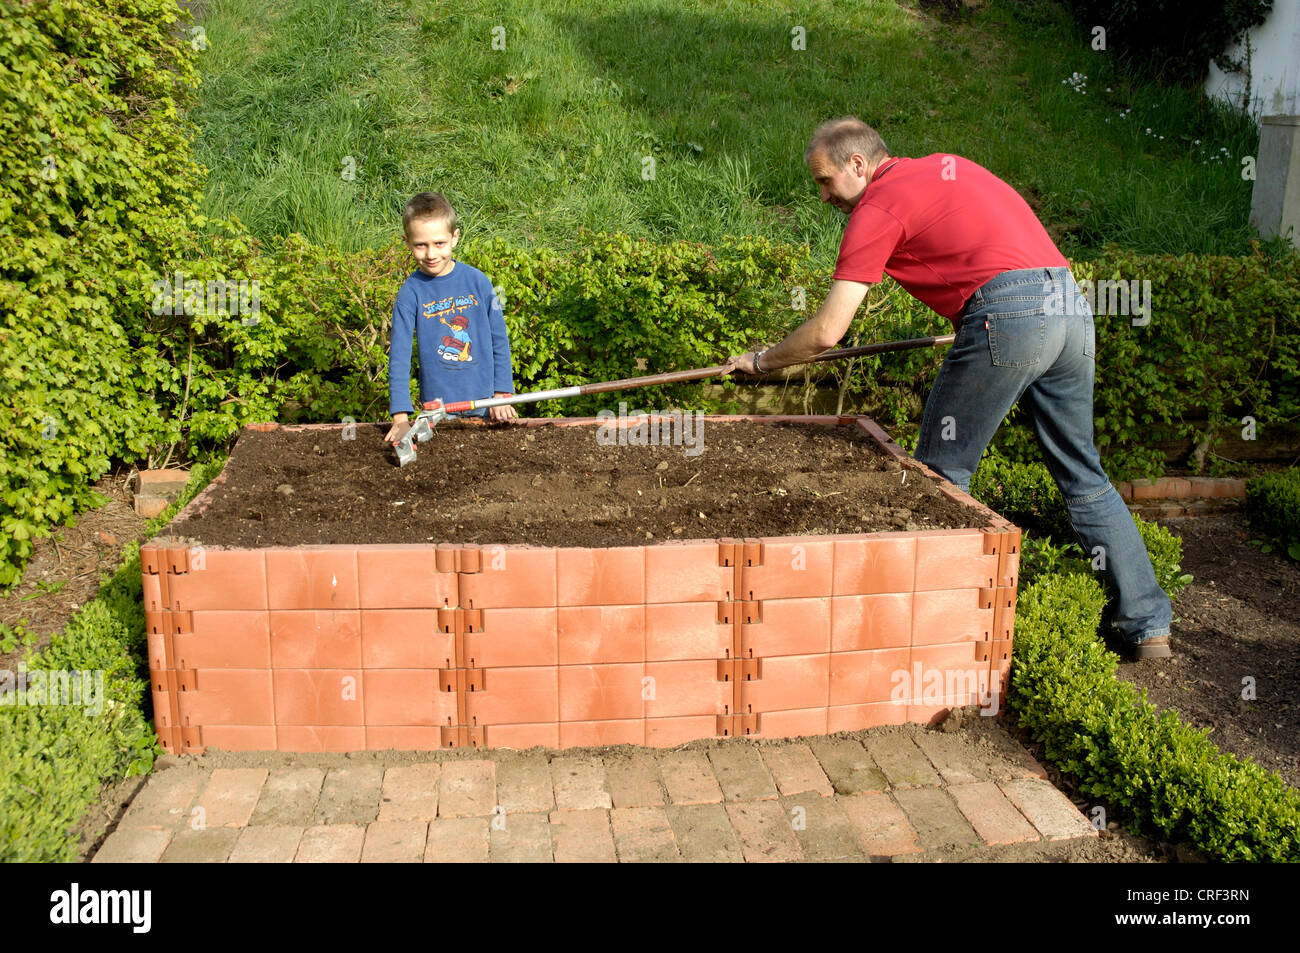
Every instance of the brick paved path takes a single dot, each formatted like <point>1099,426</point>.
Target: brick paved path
<point>908,793</point>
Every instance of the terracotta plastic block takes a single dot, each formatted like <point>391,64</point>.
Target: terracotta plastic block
<point>793,724</point>
<point>687,572</point>
<point>685,688</point>
<point>600,577</point>
<point>790,627</point>
<point>227,697</point>
<point>791,569</point>
<point>790,682</point>
<point>239,737</point>
<point>312,579</point>
<point>950,615</point>
<point>858,678</point>
<point>954,559</point>
<point>862,717</point>
<point>685,630</point>
<point>884,563</point>
<point>601,634</point>
<point>522,736</point>
<point>402,738</point>
<point>510,577</point>
<point>928,714</point>
<point>316,638</point>
<point>224,640</point>
<point>229,579</point>
<point>584,734</point>
<point>157,651</point>
<point>947,675</point>
<point>402,577</point>
<point>323,697</point>
<point>319,738</point>
<point>881,621</point>
<point>670,732</point>
<point>513,638</point>
<point>517,696</point>
<point>601,692</point>
<point>406,697</point>
<point>404,638</point>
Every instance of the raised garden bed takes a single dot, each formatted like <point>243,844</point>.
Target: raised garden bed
<point>527,585</point>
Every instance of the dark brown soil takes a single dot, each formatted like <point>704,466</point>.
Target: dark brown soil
<point>556,486</point>
<point>1238,619</point>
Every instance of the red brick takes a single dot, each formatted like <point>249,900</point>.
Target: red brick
<point>643,835</point>
<point>230,796</point>
<point>207,846</point>
<point>582,837</point>
<point>704,834</point>
<point>331,844</point>
<point>881,826</point>
<point>395,842</point>
<point>689,779</point>
<point>524,784</point>
<point>579,783</point>
<point>633,781</point>
<point>288,798</point>
<point>1145,490</point>
<point>133,846</point>
<point>266,845</point>
<point>904,764</point>
<point>1050,811</point>
<point>164,802</point>
<point>350,795</point>
<point>795,769</point>
<point>741,773</point>
<point>994,818</point>
<point>764,831</point>
<point>410,793</point>
<point>521,839</point>
<point>457,840</point>
<point>936,819</point>
<point>467,789</point>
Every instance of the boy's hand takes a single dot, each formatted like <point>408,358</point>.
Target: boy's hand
<point>504,412</point>
<point>391,437</point>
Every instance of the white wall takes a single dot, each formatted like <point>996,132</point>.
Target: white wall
<point>1275,65</point>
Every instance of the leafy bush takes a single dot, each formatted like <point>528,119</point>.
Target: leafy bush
<point>1173,40</point>
<point>1166,552</point>
<point>56,756</point>
<point>1168,778</point>
<point>1024,493</point>
<point>1273,506</point>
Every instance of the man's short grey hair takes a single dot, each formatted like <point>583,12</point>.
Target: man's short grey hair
<point>841,138</point>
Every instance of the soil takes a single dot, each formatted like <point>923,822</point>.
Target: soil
<point>1238,619</point>
<point>557,486</point>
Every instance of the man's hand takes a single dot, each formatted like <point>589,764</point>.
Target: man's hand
<point>742,362</point>
<point>504,412</point>
<point>398,419</point>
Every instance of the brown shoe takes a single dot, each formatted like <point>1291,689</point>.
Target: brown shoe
<point>1155,647</point>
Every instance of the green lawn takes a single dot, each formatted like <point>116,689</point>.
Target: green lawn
<point>552,134</point>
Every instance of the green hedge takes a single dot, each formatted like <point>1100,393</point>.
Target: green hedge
<point>1168,778</point>
<point>1273,506</point>
<point>57,756</point>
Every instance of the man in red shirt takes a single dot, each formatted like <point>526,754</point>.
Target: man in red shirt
<point>965,243</point>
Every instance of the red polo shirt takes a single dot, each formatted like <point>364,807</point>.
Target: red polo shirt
<point>941,226</point>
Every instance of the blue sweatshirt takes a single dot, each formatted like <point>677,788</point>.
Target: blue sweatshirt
<point>460,335</point>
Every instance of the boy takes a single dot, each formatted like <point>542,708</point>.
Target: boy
<point>451,308</point>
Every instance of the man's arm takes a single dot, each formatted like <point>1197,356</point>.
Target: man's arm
<point>819,333</point>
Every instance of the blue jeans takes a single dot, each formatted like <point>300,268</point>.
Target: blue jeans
<point>1027,336</point>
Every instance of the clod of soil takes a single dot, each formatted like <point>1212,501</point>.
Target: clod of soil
<point>558,486</point>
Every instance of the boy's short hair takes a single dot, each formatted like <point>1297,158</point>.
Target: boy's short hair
<point>428,205</point>
<point>841,138</point>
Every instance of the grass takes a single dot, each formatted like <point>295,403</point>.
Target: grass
<point>554,132</point>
